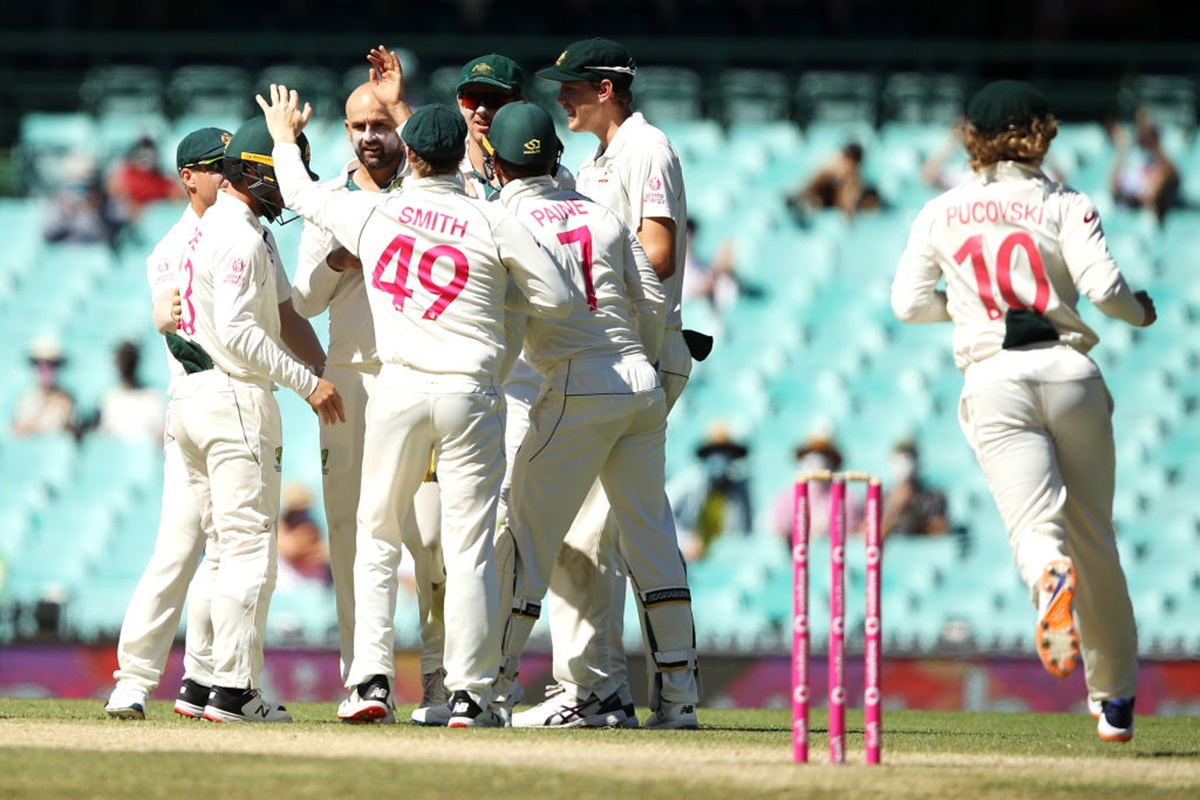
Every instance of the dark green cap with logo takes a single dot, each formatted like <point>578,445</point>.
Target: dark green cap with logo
<point>593,60</point>
<point>202,146</point>
<point>436,132</point>
<point>1001,105</point>
<point>523,133</point>
<point>494,70</point>
<point>252,142</point>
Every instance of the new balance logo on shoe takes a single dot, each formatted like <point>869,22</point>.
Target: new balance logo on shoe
<point>462,707</point>
<point>688,710</point>
<point>263,710</point>
<point>377,693</point>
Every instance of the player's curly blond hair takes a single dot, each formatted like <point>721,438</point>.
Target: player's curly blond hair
<point>1015,144</point>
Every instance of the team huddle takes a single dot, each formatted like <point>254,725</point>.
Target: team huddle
<point>505,345</point>
<point>503,352</point>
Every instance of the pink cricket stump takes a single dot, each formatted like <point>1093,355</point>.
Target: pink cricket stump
<point>873,691</point>
<point>837,620</point>
<point>800,528</point>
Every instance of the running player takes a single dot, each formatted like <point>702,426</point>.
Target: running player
<point>154,611</point>
<point>635,172</point>
<point>440,269</point>
<point>225,417</point>
<point>1015,250</point>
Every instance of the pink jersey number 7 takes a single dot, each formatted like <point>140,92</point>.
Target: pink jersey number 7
<point>973,248</point>
<point>402,248</point>
<point>583,237</point>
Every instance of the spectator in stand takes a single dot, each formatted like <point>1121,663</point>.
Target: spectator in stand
<point>1147,178</point>
<point>47,407</point>
<point>713,281</point>
<point>712,497</point>
<point>81,211</point>
<point>820,452</point>
<point>138,180</point>
<point>910,506</point>
<point>303,553</point>
<point>131,409</point>
<point>839,184</point>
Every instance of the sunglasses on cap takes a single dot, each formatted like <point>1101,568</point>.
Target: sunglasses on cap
<point>493,100</point>
<point>215,165</point>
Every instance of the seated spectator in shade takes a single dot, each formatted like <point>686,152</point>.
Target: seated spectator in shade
<point>138,180</point>
<point>131,409</point>
<point>839,184</point>
<point>81,211</point>
<point>303,553</point>
<point>713,281</point>
<point>712,497</point>
<point>819,452</point>
<point>1144,177</point>
<point>47,407</point>
<point>909,506</point>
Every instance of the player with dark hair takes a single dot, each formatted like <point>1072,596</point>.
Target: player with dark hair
<point>1015,251</point>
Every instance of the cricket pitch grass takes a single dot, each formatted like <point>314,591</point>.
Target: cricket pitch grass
<point>70,749</point>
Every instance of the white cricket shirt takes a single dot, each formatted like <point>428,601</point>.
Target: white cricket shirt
<point>597,252</point>
<point>1009,238</point>
<point>436,265</point>
<point>169,259</point>
<point>231,299</point>
<point>638,176</point>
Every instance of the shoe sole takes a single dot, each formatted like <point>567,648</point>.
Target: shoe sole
<point>189,710</point>
<point>367,714</point>
<point>614,719</point>
<point>132,712</point>
<point>1116,737</point>
<point>469,722</point>
<point>227,717</point>
<point>1057,640</point>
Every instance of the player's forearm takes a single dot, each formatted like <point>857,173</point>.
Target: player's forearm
<point>298,335</point>
<point>315,282</point>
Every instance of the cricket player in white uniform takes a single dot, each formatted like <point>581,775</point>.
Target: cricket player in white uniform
<point>1015,250</point>
<point>329,278</point>
<point>486,84</point>
<point>225,418</point>
<point>635,172</point>
<point>601,414</point>
<point>154,611</point>
<point>440,266</point>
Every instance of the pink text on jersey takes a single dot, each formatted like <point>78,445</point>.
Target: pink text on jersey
<point>432,220</point>
<point>995,211</point>
<point>557,212</point>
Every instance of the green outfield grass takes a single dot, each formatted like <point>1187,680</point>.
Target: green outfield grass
<point>69,749</point>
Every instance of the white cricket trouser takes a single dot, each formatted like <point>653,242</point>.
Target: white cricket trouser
<point>619,438</point>
<point>154,611</point>
<point>1045,444</point>
<point>231,439</point>
<point>409,417</point>
<point>421,534</point>
<point>587,603</point>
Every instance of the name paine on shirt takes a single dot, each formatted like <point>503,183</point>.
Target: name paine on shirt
<point>995,211</point>
<point>437,221</point>
<point>558,212</point>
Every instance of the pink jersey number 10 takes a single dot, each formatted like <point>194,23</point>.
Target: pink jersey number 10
<point>973,248</point>
<point>402,249</point>
<point>583,237</point>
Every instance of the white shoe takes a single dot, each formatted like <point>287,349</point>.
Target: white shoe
<point>432,716</point>
<point>128,701</point>
<point>465,712</point>
<point>1116,720</point>
<point>242,705</point>
<point>1095,707</point>
<point>503,703</point>
<point>371,701</point>
<point>1057,639</point>
<point>673,716</point>
<point>562,709</point>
